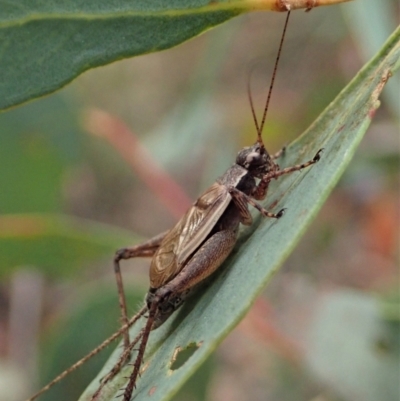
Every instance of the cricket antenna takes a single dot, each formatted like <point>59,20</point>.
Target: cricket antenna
<point>252,105</point>
<point>260,128</point>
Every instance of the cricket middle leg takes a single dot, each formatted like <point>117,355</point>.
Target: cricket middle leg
<point>242,200</point>
<point>145,249</point>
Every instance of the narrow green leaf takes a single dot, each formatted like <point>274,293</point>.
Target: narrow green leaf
<point>213,312</point>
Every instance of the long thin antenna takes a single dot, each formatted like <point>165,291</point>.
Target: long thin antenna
<point>252,104</point>
<point>259,130</point>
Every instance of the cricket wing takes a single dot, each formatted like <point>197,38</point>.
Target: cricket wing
<point>188,234</point>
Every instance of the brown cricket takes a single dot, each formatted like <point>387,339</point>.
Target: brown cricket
<point>197,245</point>
<point>201,240</point>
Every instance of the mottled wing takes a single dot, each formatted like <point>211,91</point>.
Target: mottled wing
<point>187,235</point>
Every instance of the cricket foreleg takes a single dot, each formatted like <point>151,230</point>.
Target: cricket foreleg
<point>262,187</point>
<point>241,200</point>
<point>297,167</point>
<point>146,249</point>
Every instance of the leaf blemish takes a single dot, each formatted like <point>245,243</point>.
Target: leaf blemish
<point>182,354</point>
<point>144,368</point>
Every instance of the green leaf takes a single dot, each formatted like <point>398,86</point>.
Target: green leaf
<point>45,45</point>
<point>213,312</point>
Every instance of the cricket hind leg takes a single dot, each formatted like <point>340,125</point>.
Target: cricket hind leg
<point>204,262</point>
<point>146,249</point>
<point>94,352</point>
<point>117,367</point>
<point>139,358</point>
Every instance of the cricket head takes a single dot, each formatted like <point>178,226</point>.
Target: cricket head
<point>256,160</point>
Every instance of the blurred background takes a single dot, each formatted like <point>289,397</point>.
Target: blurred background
<point>117,156</point>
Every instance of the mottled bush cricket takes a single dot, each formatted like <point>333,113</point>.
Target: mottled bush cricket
<point>197,245</point>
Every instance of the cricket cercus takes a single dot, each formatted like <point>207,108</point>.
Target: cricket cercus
<point>196,246</point>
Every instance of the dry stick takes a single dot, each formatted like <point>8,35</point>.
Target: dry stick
<point>76,365</point>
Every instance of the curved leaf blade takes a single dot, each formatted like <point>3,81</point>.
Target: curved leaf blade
<point>44,45</point>
<point>215,310</point>
<point>68,45</point>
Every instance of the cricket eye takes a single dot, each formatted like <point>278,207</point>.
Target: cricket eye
<point>252,158</point>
